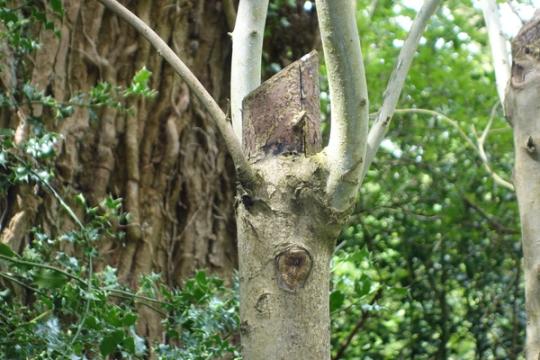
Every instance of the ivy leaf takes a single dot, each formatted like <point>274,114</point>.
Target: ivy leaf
<point>48,279</point>
<point>57,6</point>
<point>129,345</point>
<point>363,286</point>
<point>92,322</point>
<point>142,76</point>
<point>110,342</point>
<point>6,250</point>
<point>201,278</point>
<point>129,319</point>
<point>139,84</point>
<point>336,300</point>
<point>113,317</point>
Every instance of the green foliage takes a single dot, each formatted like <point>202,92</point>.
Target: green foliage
<point>54,303</point>
<point>57,306</point>
<point>430,265</point>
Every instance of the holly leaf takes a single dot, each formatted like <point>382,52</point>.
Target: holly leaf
<point>336,300</point>
<point>110,342</point>
<point>6,250</point>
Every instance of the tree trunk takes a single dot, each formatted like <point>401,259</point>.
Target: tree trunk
<point>523,110</point>
<point>166,159</point>
<point>286,230</point>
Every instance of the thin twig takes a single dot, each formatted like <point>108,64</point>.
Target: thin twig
<point>397,80</point>
<point>80,280</point>
<point>496,225</point>
<point>16,260</point>
<point>480,140</point>
<point>18,282</point>
<point>53,191</point>
<point>480,152</point>
<point>88,301</point>
<point>359,325</point>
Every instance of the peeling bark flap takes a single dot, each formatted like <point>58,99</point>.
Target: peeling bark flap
<point>282,116</point>
<point>526,51</point>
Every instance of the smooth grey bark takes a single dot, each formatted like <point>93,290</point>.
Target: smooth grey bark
<point>523,112</point>
<point>287,235</point>
<point>286,228</point>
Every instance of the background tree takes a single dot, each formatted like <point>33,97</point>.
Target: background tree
<point>163,158</point>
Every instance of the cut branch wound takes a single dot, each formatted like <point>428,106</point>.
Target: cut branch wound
<point>293,267</point>
<point>286,230</point>
<point>282,116</point>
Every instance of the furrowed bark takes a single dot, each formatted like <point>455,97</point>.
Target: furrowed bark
<point>244,171</point>
<point>166,159</point>
<point>286,230</point>
<point>349,106</point>
<point>396,82</point>
<point>523,111</point>
<point>247,38</point>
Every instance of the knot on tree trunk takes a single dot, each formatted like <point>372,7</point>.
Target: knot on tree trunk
<point>293,267</point>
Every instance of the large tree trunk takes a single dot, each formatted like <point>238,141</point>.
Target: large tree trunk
<point>166,160</point>
<point>523,109</point>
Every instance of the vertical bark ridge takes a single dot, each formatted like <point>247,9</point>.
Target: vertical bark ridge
<point>166,160</point>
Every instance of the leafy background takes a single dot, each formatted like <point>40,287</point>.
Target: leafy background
<point>428,268</point>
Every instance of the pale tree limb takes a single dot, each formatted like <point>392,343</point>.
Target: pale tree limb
<point>477,148</point>
<point>243,169</point>
<point>349,105</point>
<point>499,49</point>
<point>480,141</point>
<point>397,80</point>
<point>247,38</point>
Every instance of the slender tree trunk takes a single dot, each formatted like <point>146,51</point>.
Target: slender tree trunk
<point>286,229</point>
<point>523,110</point>
<point>286,240</point>
<point>166,159</point>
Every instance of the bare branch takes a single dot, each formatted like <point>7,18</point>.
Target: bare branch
<point>478,149</point>
<point>481,140</point>
<point>499,50</point>
<point>396,82</point>
<point>357,327</point>
<point>244,171</point>
<point>348,90</point>
<point>246,55</point>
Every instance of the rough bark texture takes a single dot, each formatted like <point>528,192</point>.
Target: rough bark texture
<point>286,239</point>
<point>283,114</point>
<point>167,161</point>
<point>286,230</point>
<point>523,110</point>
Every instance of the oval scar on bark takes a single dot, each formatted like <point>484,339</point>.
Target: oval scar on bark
<point>293,267</point>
